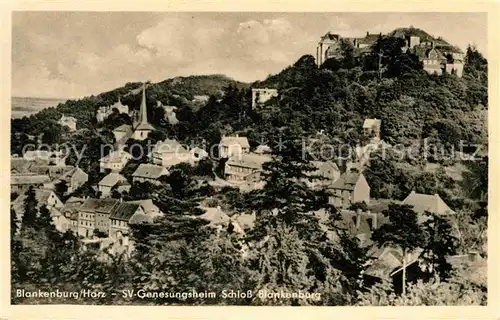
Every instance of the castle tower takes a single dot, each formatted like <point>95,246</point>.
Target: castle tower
<point>142,127</point>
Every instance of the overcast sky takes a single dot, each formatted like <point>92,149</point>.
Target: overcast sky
<point>74,54</point>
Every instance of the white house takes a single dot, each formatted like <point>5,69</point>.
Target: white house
<point>115,161</point>
<point>169,152</point>
<point>108,182</point>
<point>69,122</point>
<point>231,146</point>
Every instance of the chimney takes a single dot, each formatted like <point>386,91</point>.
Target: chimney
<point>367,33</point>
<point>358,218</point>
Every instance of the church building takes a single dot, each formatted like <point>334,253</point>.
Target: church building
<point>142,127</point>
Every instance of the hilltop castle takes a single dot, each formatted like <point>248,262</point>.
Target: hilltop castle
<point>436,54</point>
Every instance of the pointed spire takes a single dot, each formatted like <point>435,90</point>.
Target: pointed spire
<point>143,115</point>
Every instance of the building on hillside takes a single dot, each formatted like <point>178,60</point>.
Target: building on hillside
<point>54,172</point>
<point>231,146</point>
<point>216,216</point>
<point>149,207</point>
<point>70,211</point>
<point>74,179</point>
<point>119,219</point>
<point>149,173</point>
<point>387,264</point>
<point>122,134</point>
<point>169,153</point>
<point>263,149</point>
<point>371,129</point>
<point>350,188</point>
<point>364,44</point>
<point>44,198</point>
<point>94,214</point>
<point>114,161</point>
<point>109,182</point>
<point>105,111</point>
<point>69,122</point>
<point>323,50</point>
<point>260,96</point>
<point>422,203</point>
<point>200,99</point>
<point>197,154</point>
<point>170,114</point>
<point>325,174</point>
<point>42,156</point>
<point>20,183</point>
<point>246,168</point>
<point>142,127</point>
<point>20,165</point>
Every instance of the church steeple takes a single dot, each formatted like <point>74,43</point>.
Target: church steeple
<point>143,113</point>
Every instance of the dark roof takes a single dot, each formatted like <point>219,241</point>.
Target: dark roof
<point>151,171</point>
<point>124,211</point>
<point>99,205</point>
<point>347,181</point>
<point>29,179</point>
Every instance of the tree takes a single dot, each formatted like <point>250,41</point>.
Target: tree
<point>30,209</point>
<point>60,189</point>
<point>281,262</point>
<point>13,224</point>
<point>403,231</point>
<point>45,220</point>
<point>439,244</point>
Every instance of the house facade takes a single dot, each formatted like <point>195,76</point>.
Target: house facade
<point>115,161</point>
<point>169,153</point>
<point>94,214</point>
<point>350,188</point>
<point>260,96</point>
<point>231,146</point>
<point>74,179</point>
<point>109,182</point>
<point>120,217</point>
<point>245,168</point>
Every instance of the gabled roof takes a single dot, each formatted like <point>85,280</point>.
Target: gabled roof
<point>124,211</point>
<point>232,140</point>
<point>123,128</point>
<point>140,218</point>
<point>150,171</point>
<point>440,56</point>
<point>75,171</point>
<point>426,202</point>
<point>98,205</point>
<point>389,261</point>
<point>249,160</point>
<point>42,196</point>
<point>20,165</point>
<point>215,216</point>
<point>112,179</point>
<point>330,36</point>
<point>325,165</point>
<point>347,181</point>
<point>169,145</point>
<point>28,179</point>
<point>371,123</point>
<point>144,126</point>
<point>147,205</point>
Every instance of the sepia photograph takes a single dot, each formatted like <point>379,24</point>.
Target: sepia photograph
<point>249,158</point>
